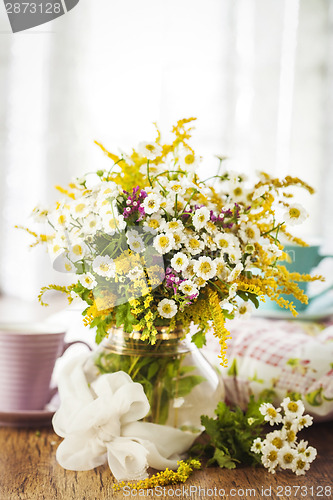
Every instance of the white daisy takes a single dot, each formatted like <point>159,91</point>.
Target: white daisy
<point>91,224</point>
<point>249,232</point>
<point>176,187</point>
<point>194,245</point>
<point>178,237</point>
<point>188,160</point>
<point>112,223</point>
<point>235,272</point>
<point>108,206</point>
<point>167,308</point>
<point>179,262</point>
<point>290,435</point>
<point>272,250</point>
<point>135,241</point>
<point>199,282</point>
<point>163,242</point>
<point>271,414</point>
<point>135,273</point>
<point>175,225</point>
<point>205,268</point>
<point>78,250</point>
<point>155,222</point>
<point>211,228</point>
<point>136,245</point>
<point>295,214</point>
<point>60,218</point>
<point>235,255</point>
<point>221,269</point>
<point>270,458</point>
<point>149,150</point>
<point>238,192</point>
<point>290,423</point>
<point>87,280</point>
<point>104,266</point>
<point>80,208</point>
<point>287,457</point>
<point>300,465</point>
<point>225,241</point>
<point>257,445</point>
<point>294,409</point>
<point>152,203</point>
<point>303,421</point>
<point>107,191</point>
<point>189,272</point>
<point>68,266</point>
<point>244,310</point>
<point>232,291</point>
<point>310,454</point>
<point>275,438</point>
<point>200,218</point>
<point>188,288</point>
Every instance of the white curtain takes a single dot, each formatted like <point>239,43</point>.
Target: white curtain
<point>257,74</point>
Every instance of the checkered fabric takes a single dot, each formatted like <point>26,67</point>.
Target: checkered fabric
<point>280,356</point>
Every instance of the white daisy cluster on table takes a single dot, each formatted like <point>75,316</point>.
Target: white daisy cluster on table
<point>149,232</point>
<point>280,448</point>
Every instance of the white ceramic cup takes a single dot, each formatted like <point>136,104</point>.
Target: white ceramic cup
<point>28,352</point>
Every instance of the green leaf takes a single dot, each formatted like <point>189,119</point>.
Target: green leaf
<point>124,317</point>
<point>243,295</point>
<point>100,333</point>
<point>186,369</point>
<point>254,299</point>
<point>153,369</point>
<point>199,339</point>
<point>224,460</point>
<point>186,384</point>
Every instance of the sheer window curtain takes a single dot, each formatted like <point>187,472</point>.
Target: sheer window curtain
<point>258,75</point>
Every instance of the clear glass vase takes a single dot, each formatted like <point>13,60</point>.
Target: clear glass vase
<point>179,382</point>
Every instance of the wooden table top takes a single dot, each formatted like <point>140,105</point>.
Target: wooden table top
<point>28,471</point>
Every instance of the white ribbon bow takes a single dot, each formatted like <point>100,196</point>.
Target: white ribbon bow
<point>99,422</point>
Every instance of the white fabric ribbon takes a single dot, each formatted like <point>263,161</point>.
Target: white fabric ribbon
<point>100,422</point>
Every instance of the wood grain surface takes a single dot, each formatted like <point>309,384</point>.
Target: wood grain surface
<point>29,471</point>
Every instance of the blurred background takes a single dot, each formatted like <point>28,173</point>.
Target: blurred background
<point>258,75</point>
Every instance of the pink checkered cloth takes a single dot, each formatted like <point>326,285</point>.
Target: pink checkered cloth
<point>278,358</point>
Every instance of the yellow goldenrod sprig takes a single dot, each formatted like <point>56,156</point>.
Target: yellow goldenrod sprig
<point>249,287</point>
<point>40,238</point>
<point>185,469</point>
<point>220,330</point>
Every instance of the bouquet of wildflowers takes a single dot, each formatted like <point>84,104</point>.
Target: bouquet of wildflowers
<point>151,245</point>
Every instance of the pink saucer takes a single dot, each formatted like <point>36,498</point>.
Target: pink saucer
<point>31,418</point>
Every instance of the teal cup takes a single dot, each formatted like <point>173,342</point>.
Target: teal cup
<point>303,260</point>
